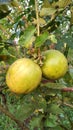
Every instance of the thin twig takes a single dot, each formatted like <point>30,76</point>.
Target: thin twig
<point>7,113</point>
<point>37,16</point>
<point>3,29</point>
<point>10,19</point>
<point>69,105</point>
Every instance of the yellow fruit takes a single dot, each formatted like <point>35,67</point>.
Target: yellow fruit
<point>55,64</point>
<point>23,76</point>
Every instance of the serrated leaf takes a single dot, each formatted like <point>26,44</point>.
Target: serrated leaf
<point>27,38</point>
<point>41,39</point>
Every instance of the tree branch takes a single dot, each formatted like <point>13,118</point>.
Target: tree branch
<point>69,105</point>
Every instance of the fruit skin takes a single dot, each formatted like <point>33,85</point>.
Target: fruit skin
<point>23,76</point>
<point>55,64</point>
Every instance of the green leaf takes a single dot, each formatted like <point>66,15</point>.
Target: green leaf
<point>53,85</point>
<point>70,55</point>
<point>24,111</point>
<point>57,3</point>
<point>68,79</point>
<point>39,103</point>
<point>28,37</point>
<point>71,21</point>
<point>22,106</point>
<point>58,128</point>
<point>53,38</point>
<point>41,39</point>
<point>4,52</point>
<point>51,121</point>
<point>47,11</point>
<point>31,2</point>
<point>71,72</point>
<point>4,8</point>
<point>65,122</point>
<point>55,109</point>
<point>36,122</point>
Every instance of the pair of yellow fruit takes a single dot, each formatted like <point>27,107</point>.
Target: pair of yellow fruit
<point>24,75</point>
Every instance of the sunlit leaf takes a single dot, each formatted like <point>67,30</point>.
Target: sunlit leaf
<point>15,3</point>
<point>47,11</point>
<point>53,38</point>
<point>41,21</point>
<point>41,39</point>
<point>27,38</point>
<point>59,3</point>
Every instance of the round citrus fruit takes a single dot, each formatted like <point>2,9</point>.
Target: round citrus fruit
<point>55,64</point>
<point>23,76</point>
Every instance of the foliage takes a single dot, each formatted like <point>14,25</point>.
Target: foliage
<point>24,34</point>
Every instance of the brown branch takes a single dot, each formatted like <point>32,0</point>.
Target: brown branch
<point>50,83</point>
<point>37,17</point>
<point>69,105</point>
<point>10,19</point>
<point>7,113</point>
<point>69,89</point>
